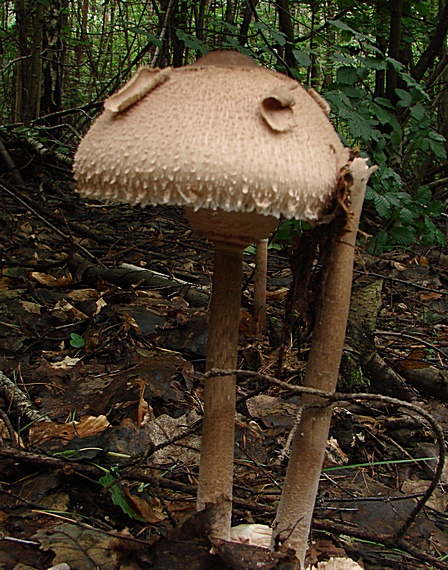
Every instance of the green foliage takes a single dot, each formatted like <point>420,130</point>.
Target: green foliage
<point>118,495</point>
<point>390,133</point>
<point>397,127</point>
<point>76,340</point>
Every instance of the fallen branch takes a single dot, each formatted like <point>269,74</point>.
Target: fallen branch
<point>339,397</point>
<point>19,401</point>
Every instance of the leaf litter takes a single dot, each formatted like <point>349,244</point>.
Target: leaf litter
<point>108,477</point>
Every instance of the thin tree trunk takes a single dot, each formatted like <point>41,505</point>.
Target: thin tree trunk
<point>438,40</point>
<point>286,26</point>
<point>396,16</point>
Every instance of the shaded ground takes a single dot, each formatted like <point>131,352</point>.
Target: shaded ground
<point>110,358</point>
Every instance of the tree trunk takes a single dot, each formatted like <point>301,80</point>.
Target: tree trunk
<point>29,66</point>
<point>54,55</point>
<point>286,26</point>
<point>396,16</point>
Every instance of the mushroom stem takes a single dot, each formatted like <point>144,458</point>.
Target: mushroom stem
<point>218,424</point>
<point>293,521</point>
<point>260,278</point>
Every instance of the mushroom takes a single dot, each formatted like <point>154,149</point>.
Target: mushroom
<point>239,146</point>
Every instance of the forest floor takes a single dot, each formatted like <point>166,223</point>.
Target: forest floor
<point>99,358</point>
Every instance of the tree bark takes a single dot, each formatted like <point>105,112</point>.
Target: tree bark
<point>435,45</point>
<point>396,16</point>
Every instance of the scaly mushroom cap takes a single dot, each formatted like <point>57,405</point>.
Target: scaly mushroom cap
<point>223,135</point>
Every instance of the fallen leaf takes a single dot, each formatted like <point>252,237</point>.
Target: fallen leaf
<point>415,359</point>
<point>430,296</point>
<point>277,295</point>
<point>50,281</point>
<point>80,548</point>
<point>83,295</point>
<point>64,310</point>
<point>33,308</point>
<point>65,364</point>
<point>44,431</point>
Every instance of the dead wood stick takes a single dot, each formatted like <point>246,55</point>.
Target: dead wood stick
<point>339,397</point>
<point>19,401</point>
<point>16,176</point>
<point>28,204</point>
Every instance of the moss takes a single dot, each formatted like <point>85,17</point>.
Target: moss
<point>351,376</point>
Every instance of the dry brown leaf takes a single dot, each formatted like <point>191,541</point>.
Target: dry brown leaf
<point>64,310</point>
<point>151,510</point>
<point>415,359</point>
<point>65,364</point>
<point>277,295</point>
<point>83,295</point>
<point>5,283</point>
<point>43,431</point>
<point>50,281</point>
<point>431,296</point>
<point>33,308</point>
<point>80,548</point>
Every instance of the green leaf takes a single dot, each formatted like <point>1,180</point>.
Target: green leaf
<point>260,26</point>
<point>418,112</point>
<point>435,136</point>
<point>431,234</point>
<point>382,205</point>
<point>423,195</point>
<point>76,340</point>
<point>151,37</point>
<point>405,98</point>
<point>435,208</point>
<point>278,37</point>
<point>398,66</point>
<point>375,63</point>
<point>402,235</point>
<point>437,148</point>
<point>360,128</point>
<point>192,42</point>
<point>118,496</point>
<point>342,26</point>
<point>383,115</point>
<point>384,102</point>
<point>338,100</point>
<point>407,216</point>
<point>346,75</point>
<point>302,58</point>
<point>379,243</point>
<point>353,92</point>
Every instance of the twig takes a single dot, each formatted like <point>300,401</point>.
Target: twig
<point>162,32</point>
<point>19,401</point>
<point>401,281</point>
<point>415,338</point>
<point>27,205</point>
<point>17,177</point>
<point>338,397</point>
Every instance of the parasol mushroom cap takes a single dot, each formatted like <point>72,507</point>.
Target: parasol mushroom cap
<point>223,134</point>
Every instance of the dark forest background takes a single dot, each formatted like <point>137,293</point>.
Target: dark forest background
<point>382,65</point>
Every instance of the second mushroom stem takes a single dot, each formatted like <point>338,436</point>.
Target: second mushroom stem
<point>218,425</point>
<point>260,280</point>
<point>295,510</point>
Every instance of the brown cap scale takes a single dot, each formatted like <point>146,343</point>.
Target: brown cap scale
<point>239,146</point>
